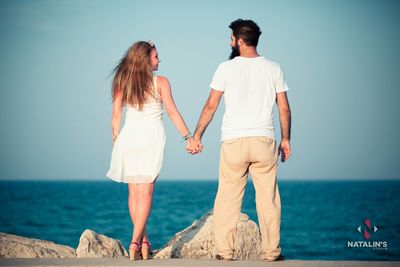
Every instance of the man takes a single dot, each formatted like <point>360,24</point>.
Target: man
<point>251,85</point>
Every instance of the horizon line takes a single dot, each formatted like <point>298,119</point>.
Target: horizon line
<point>192,180</point>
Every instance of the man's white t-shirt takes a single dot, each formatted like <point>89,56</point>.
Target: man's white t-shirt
<point>250,86</point>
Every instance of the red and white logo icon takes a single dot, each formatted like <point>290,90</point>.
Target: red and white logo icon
<point>367,229</point>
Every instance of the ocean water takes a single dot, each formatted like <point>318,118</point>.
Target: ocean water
<point>319,218</point>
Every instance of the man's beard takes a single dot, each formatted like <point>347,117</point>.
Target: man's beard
<point>235,52</point>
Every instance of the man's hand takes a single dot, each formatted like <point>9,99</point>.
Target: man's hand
<point>194,146</point>
<point>284,150</point>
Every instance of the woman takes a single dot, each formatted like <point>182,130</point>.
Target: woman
<point>138,150</point>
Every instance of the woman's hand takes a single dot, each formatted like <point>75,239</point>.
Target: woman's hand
<point>114,135</point>
<point>193,146</point>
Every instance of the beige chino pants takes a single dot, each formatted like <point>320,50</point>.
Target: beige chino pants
<point>259,156</point>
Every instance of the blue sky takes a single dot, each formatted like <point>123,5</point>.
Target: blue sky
<point>340,58</point>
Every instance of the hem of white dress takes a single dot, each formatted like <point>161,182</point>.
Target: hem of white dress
<point>122,179</point>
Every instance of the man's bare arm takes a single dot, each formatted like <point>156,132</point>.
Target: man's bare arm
<point>284,114</point>
<point>285,119</point>
<point>208,113</point>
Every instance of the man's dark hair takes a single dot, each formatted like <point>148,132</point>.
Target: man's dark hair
<point>248,30</point>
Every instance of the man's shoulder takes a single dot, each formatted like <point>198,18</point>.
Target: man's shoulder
<point>225,64</point>
<point>260,58</point>
<point>224,67</point>
<point>229,64</point>
<point>271,63</point>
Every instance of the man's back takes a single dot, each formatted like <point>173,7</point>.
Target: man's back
<point>250,86</point>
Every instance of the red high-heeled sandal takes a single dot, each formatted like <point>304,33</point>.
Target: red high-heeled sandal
<point>134,253</point>
<point>146,250</point>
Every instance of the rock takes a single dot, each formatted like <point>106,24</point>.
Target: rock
<point>94,245</point>
<point>13,246</point>
<point>197,241</point>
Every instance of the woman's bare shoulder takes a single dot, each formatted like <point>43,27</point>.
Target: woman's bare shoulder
<point>162,81</point>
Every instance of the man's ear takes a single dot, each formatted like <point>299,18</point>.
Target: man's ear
<point>240,42</point>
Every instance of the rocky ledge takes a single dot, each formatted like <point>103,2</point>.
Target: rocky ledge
<point>197,241</point>
<point>194,242</point>
<point>13,246</point>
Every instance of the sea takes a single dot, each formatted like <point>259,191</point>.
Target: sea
<point>321,220</point>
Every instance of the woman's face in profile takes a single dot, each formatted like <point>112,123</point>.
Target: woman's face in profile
<point>154,59</point>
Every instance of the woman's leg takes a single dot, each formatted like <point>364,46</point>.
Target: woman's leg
<point>144,194</point>
<point>145,236</point>
<point>132,202</point>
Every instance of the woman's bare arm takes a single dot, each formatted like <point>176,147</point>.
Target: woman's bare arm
<point>170,107</point>
<point>116,115</point>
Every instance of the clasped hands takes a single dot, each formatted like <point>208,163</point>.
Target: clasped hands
<point>194,145</point>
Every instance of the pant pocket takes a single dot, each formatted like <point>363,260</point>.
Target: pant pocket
<point>230,141</point>
<point>265,139</point>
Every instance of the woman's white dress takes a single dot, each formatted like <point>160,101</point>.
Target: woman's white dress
<point>138,151</point>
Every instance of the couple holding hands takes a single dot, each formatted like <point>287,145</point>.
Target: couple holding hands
<point>251,85</point>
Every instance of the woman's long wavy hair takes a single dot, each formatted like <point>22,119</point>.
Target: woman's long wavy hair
<point>134,75</point>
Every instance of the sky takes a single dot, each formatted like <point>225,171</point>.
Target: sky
<point>340,59</point>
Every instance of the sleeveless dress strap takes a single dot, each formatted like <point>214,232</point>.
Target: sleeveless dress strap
<point>155,87</point>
